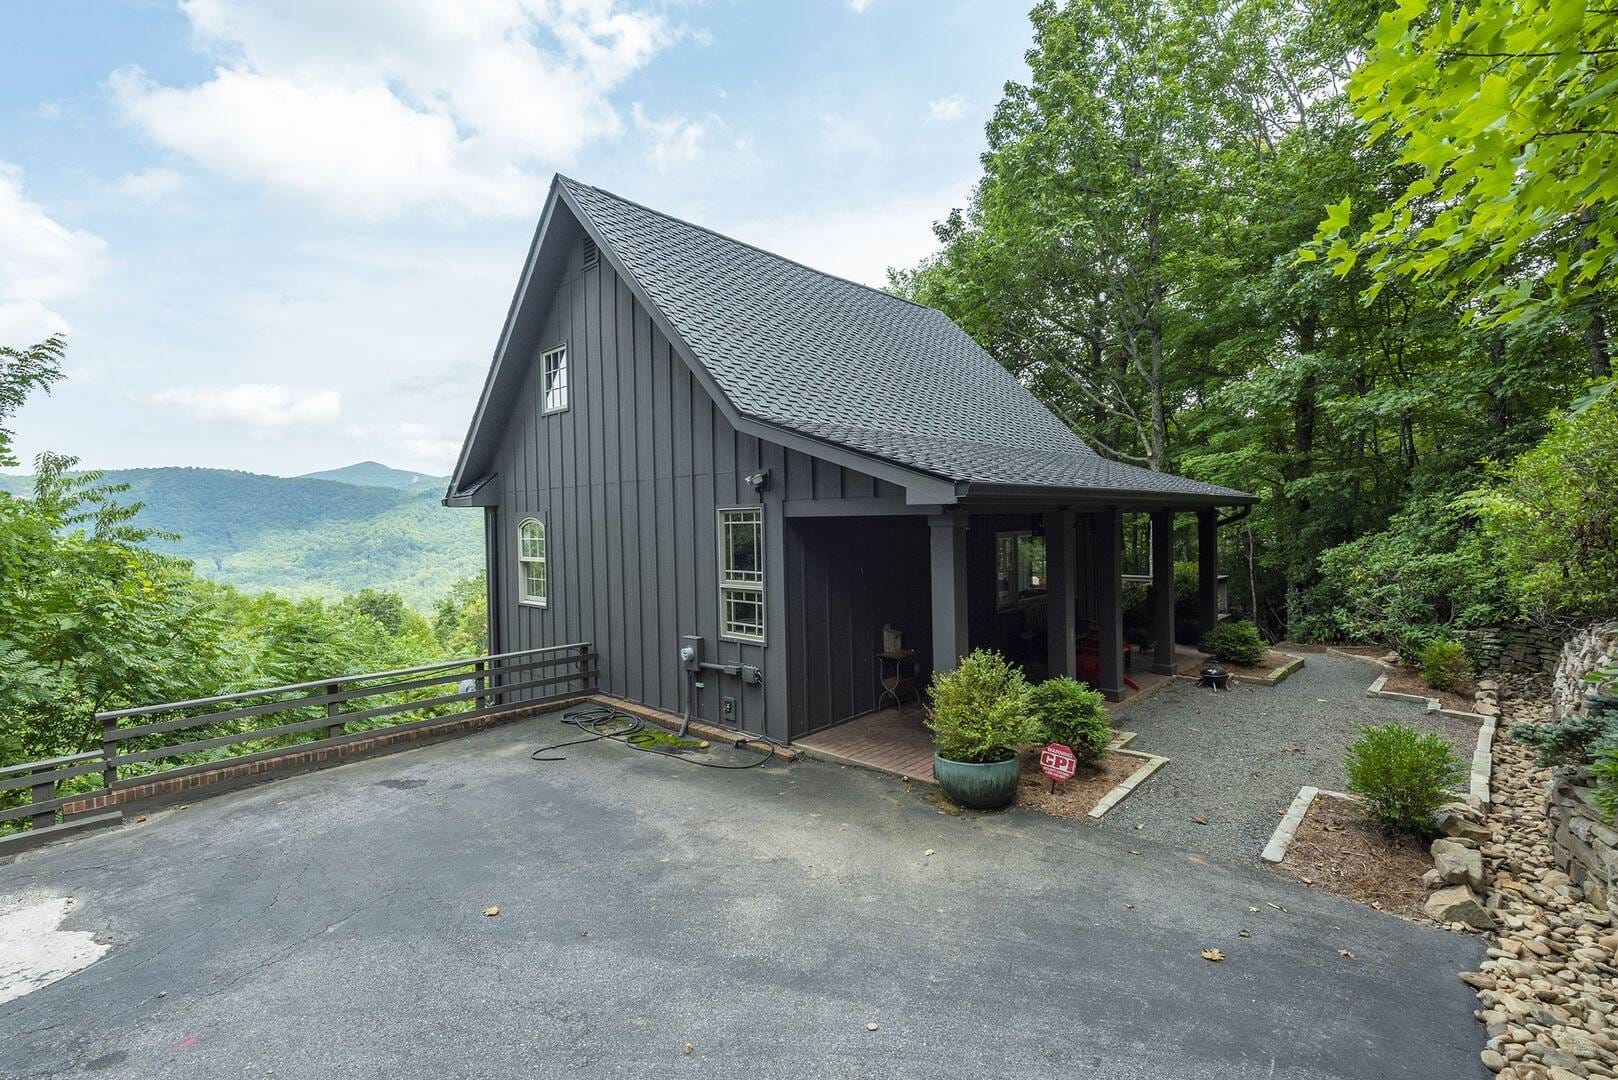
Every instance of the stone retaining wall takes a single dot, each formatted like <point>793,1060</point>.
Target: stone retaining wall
<point>1583,844</point>
<point>1514,649</point>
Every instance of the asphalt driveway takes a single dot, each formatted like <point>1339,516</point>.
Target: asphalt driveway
<point>331,925</point>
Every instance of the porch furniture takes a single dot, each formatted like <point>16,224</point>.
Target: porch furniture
<point>1089,661</point>
<point>896,671</point>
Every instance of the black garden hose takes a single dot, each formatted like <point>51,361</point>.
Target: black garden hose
<point>603,722</point>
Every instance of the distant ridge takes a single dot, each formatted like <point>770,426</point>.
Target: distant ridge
<point>376,474</point>
<point>315,535</point>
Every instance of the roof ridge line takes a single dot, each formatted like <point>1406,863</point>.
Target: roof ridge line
<point>743,243</point>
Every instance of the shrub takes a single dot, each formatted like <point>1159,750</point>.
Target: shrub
<point>1235,643</point>
<point>981,710</point>
<point>1551,516</point>
<point>1403,775</point>
<point>1569,741</point>
<point>1071,713</point>
<point>1444,665</point>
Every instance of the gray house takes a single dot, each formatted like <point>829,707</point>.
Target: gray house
<point>684,437</point>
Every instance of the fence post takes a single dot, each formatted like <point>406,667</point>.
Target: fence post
<point>39,793</point>
<point>109,749</point>
<point>333,710</point>
<point>584,665</point>
<point>480,679</point>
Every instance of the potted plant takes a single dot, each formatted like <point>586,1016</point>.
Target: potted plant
<point>979,714</point>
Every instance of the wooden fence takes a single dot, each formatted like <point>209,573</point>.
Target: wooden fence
<point>176,739</point>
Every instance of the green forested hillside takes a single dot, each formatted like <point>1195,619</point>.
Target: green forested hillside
<point>302,536</point>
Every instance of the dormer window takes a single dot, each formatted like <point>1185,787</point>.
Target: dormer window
<point>553,368</point>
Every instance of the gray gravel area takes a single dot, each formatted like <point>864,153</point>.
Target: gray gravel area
<point>1238,758</point>
<point>330,927</point>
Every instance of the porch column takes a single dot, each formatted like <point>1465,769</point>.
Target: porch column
<point>1062,594</point>
<point>1163,591</point>
<point>1106,545</point>
<point>949,590</point>
<point>1207,570</point>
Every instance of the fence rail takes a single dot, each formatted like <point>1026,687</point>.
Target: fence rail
<point>485,684</point>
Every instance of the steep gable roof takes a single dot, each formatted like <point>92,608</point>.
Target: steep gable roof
<point>847,365</point>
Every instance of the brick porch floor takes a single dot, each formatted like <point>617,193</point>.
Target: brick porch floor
<point>894,740</point>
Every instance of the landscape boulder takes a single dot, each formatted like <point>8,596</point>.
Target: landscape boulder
<point>1458,904</point>
<point>1458,864</point>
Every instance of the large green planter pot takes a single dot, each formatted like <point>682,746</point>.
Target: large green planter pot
<point>981,785</point>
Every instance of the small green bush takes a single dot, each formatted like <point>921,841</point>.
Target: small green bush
<point>981,711</point>
<point>1073,714</point>
<point>1403,775</point>
<point>1571,740</point>
<point>1235,643</point>
<point>1444,665</point>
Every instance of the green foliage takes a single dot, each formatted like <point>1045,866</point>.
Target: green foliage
<point>981,711</point>
<point>461,619</point>
<point>1430,568</point>
<point>1071,713</point>
<point>1502,110</point>
<point>1551,517</point>
<point>1572,740</point>
<point>1444,665</point>
<point>304,536</point>
<point>94,617</point>
<point>1404,776</point>
<point>1235,642</point>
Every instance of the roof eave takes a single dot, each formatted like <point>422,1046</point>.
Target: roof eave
<point>1136,498</point>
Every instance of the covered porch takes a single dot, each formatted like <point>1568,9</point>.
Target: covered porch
<point>1044,585</point>
<point>895,739</point>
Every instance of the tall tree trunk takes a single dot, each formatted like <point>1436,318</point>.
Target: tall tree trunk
<point>1154,325</point>
<point>1497,383</point>
<point>1595,327</point>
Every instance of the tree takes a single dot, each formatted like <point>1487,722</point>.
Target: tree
<point>1504,109</point>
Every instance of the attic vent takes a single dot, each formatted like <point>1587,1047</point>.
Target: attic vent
<point>592,255</point>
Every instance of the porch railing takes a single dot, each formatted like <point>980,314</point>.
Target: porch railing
<point>180,738</point>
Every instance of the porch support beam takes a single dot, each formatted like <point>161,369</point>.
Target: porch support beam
<point>1106,546</point>
<point>1163,591</point>
<point>948,537</point>
<point>1062,594</point>
<point>1207,571</point>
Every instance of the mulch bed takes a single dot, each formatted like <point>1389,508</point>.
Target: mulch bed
<point>1267,663</point>
<point>1403,680</point>
<point>1337,850</point>
<point>1078,796</point>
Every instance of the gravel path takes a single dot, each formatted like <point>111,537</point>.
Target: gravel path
<point>1237,759</point>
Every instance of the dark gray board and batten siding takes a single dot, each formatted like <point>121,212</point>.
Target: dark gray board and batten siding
<point>629,480</point>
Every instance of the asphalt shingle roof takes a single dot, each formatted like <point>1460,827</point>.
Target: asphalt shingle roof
<point>849,364</point>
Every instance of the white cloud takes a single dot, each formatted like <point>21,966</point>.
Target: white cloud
<point>375,107</point>
<point>675,140</point>
<point>42,262</point>
<point>858,243</point>
<point>262,405</point>
<point>952,107</point>
<point>151,185</point>
<point>859,7</point>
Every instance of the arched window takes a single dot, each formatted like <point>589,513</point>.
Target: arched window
<point>531,575</point>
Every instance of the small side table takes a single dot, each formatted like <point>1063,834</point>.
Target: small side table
<point>896,671</point>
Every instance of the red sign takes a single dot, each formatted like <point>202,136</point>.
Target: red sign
<point>1058,761</point>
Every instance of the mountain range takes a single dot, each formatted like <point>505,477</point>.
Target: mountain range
<point>323,534</point>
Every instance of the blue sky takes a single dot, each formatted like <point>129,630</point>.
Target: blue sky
<point>281,234</point>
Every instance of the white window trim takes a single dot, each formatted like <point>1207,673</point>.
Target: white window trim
<point>567,390</point>
<point>725,585</point>
<point>544,560</point>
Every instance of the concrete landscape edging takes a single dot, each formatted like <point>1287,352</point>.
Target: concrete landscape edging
<point>1483,763</point>
<point>1276,676</point>
<point>1276,849</point>
<point>1153,762</point>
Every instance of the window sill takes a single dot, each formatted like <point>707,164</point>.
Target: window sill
<point>534,603</point>
<point>742,639</point>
